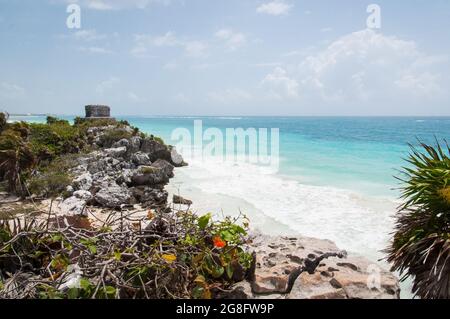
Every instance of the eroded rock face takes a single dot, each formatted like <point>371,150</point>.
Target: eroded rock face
<point>113,196</point>
<point>307,268</point>
<point>129,171</point>
<point>158,173</point>
<point>141,159</point>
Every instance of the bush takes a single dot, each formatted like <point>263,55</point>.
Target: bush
<point>56,138</point>
<point>3,121</point>
<point>52,180</point>
<point>112,136</point>
<point>16,157</point>
<point>178,255</point>
<point>53,120</point>
<point>421,243</point>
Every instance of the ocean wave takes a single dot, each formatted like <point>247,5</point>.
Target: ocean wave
<point>355,222</point>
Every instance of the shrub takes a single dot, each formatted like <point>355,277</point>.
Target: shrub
<point>112,136</point>
<point>178,255</point>
<point>421,243</point>
<point>16,157</point>
<point>52,180</point>
<point>53,120</point>
<point>56,138</point>
<point>3,121</point>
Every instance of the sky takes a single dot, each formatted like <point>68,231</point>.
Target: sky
<point>226,57</point>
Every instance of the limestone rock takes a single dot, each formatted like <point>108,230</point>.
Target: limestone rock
<point>82,194</point>
<point>176,159</point>
<point>117,152</point>
<point>176,199</point>
<point>73,206</point>
<point>308,268</point>
<point>140,159</point>
<point>83,182</point>
<point>158,173</point>
<point>155,150</point>
<point>113,196</point>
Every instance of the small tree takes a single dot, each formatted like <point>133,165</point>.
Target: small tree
<point>15,158</point>
<point>421,243</point>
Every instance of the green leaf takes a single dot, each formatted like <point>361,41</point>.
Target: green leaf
<point>117,255</point>
<point>203,221</point>
<point>217,271</point>
<point>85,284</point>
<point>73,293</point>
<point>92,248</point>
<point>197,292</point>
<point>110,291</point>
<point>230,271</point>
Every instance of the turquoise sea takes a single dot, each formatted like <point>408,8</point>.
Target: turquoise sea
<point>335,178</point>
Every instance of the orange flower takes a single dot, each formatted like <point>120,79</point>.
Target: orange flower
<point>219,242</point>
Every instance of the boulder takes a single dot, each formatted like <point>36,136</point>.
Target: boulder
<point>83,182</point>
<point>82,194</point>
<point>134,145</point>
<point>176,199</point>
<point>148,196</point>
<point>117,152</point>
<point>155,150</point>
<point>141,159</point>
<point>158,173</point>
<point>72,206</point>
<point>176,159</point>
<point>308,268</point>
<point>122,143</point>
<point>113,196</point>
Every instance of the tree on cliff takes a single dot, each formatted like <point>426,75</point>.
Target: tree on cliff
<point>421,243</point>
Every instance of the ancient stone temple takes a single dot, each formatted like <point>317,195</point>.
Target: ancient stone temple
<point>97,111</point>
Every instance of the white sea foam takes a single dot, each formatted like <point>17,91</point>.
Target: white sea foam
<point>355,222</point>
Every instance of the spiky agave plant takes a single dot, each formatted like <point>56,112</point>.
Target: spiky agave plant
<point>421,243</point>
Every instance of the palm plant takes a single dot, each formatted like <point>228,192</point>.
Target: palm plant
<point>15,158</point>
<point>421,243</point>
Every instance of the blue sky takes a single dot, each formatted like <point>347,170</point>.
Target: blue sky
<point>233,57</point>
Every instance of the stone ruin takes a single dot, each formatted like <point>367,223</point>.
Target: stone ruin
<point>98,111</point>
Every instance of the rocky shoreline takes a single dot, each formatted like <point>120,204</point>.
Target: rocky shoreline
<point>121,173</point>
<point>130,174</point>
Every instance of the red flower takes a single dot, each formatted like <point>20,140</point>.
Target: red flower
<point>219,242</point>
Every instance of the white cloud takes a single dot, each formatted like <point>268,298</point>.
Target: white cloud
<point>135,98</point>
<point>276,8</point>
<point>195,49</point>
<point>144,43</point>
<point>88,35</point>
<point>280,84</point>
<point>103,5</point>
<point>107,85</point>
<point>364,67</point>
<point>167,40</point>
<point>368,64</point>
<point>233,40</point>
<point>95,50</point>
<point>229,96</point>
<point>266,65</point>
<point>11,91</point>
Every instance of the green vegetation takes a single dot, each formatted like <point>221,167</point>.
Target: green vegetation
<point>112,136</point>
<point>27,146</point>
<point>421,244</point>
<point>179,255</point>
<point>53,179</point>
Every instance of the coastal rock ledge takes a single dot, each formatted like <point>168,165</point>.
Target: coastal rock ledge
<point>308,268</point>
